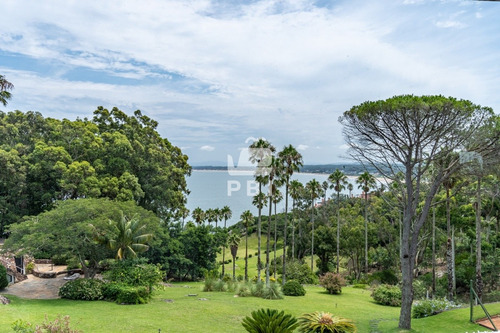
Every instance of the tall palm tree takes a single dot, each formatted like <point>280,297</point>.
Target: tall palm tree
<point>130,237</point>
<point>198,215</point>
<point>339,181</point>
<point>273,173</point>
<point>226,215</point>
<point>292,161</point>
<point>210,216</point>
<point>260,153</point>
<point>350,187</point>
<point>4,87</point>
<point>259,201</point>
<point>295,188</point>
<point>234,241</point>
<point>247,220</point>
<point>277,197</point>
<point>314,190</point>
<point>324,187</point>
<point>366,182</point>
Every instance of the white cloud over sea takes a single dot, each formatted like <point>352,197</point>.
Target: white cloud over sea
<point>214,73</point>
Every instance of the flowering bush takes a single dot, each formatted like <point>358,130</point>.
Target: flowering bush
<point>332,282</point>
<point>431,307</point>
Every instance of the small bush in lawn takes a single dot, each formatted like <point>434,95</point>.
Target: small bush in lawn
<point>3,277</point>
<point>387,295</point>
<point>258,289</point>
<point>250,256</point>
<point>57,326</point>
<point>332,282</point>
<point>269,320</point>
<point>245,290</point>
<point>430,307</point>
<point>133,295</point>
<point>325,322</point>
<point>293,288</point>
<point>220,285</point>
<point>272,292</point>
<point>82,289</point>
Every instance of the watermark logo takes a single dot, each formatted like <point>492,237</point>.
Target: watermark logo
<point>251,162</point>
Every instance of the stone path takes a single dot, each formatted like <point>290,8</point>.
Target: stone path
<point>37,288</point>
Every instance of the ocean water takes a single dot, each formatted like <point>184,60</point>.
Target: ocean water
<point>216,189</point>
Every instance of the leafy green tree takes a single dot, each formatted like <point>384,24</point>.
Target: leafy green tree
<point>70,228</point>
<point>339,181</point>
<point>366,182</point>
<point>5,86</point>
<point>3,277</point>
<point>409,134</point>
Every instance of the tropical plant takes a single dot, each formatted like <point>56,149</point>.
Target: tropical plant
<point>198,215</point>
<point>322,322</point>
<point>272,291</point>
<point>313,188</point>
<point>226,214</point>
<point>260,154</point>
<point>291,161</point>
<point>295,189</point>
<point>339,181</point>
<point>269,321</point>
<point>247,220</point>
<point>130,237</point>
<point>5,86</point>
<point>234,241</point>
<point>277,197</point>
<point>273,172</point>
<point>366,181</point>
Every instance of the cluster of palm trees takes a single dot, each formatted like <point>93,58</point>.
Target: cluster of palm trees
<point>275,170</point>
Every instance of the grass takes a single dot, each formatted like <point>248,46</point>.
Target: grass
<point>222,312</point>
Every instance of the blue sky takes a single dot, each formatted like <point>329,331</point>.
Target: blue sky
<point>216,73</point>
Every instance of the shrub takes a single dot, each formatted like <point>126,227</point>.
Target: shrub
<point>111,290</point>
<point>244,290</point>
<point>387,295</point>
<point>3,277</point>
<point>332,282</point>
<point>325,322</point>
<point>293,288</point>
<point>258,289</point>
<point>57,326</point>
<point>30,267</point>
<point>74,263</point>
<point>430,307</point>
<point>360,286</point>
<point>133,295</point>
<point>269,321</point>
<point>299,271</point>
<point>220,285</point>
<point>493,296</point>
<point>272,292</point>
<point>419,290</point>
<point>82,289</point>
<point>135,273</point>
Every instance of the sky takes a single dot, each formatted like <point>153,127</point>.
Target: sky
<point>218,74</point>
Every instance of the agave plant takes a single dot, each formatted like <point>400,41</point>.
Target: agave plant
<point>322,322</point>
<point>269,321</point>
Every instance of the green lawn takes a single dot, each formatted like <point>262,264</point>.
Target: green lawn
<point>222,312</point>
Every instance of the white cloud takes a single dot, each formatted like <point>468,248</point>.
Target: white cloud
<point>302,147</point>
<point>207,148</point>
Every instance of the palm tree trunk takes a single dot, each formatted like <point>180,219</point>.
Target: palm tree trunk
<point>449,266</point>
<point>285,226</point>
<point>246,254</point>
<point>366,232</point>
<point>433,252</point>
<point>224,254</point>
<point>275,238</point>
<point>269,236</point>
<point>259,226</point>
<point>338,231</point>
<point>479,278</point>
<point>312,236</point>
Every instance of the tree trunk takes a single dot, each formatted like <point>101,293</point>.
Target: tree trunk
<point>268,249</point>
<point>275,239</point>
<point>406,291</point>
<point>366,232</point>
<point>285,226</point>
<point>246,254</point>
<point>433,252</point>
<point>479,278</point>
<point>259,226</point>
<point>449,260</point>
<point>312,236</point>
<point>224,254</point>
<point>338,232</point>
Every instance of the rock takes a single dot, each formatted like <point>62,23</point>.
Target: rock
<point>4,300</point>
<point>168,300</point>
<point>203,299</point>
<point>192,294</point>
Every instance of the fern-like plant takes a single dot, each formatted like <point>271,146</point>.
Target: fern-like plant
<point>323,322</point>
<point>269,321</point>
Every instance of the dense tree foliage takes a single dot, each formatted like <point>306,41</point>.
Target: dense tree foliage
<point>113,155</point>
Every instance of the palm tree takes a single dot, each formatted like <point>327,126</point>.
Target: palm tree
<point>130,237</point>
<point>324,187</point>
<point>234,241</point>
<point>4,87</point>
<point>292,161</point>
<point>247,220</point>
<point>226,215</point>
<point>339,181</point>
<point>183,212</point>
<point>273,172</point>
<point>313,188</point>
<point>366,181</point>
<point>277,197</point>
<point>198,215</point>
<point>296,188</point>
<point>350,187</point>
<point>260,152</point>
